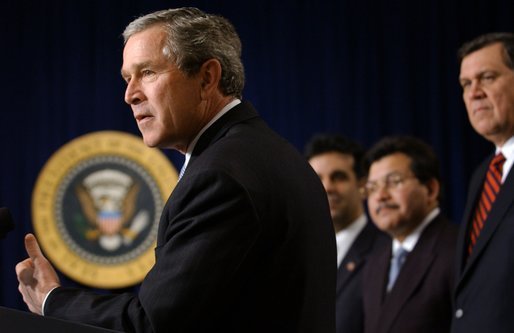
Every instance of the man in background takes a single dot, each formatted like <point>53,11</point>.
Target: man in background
<point>408,280</point>
<point>484,293</point>
<point>338,162</point>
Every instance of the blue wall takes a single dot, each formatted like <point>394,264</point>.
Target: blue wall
<point>362,68</point>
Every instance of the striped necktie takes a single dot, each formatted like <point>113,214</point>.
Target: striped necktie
<point>182,170</point>
<point>491,187</point>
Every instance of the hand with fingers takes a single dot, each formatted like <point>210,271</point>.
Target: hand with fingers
<point>36,276</point>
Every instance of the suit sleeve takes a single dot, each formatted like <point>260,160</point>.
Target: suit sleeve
<point>205,237</point>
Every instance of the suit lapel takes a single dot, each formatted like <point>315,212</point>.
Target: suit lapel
<point>350,264</point>
<point>239,113</point>
<point>242,112</point>
<point>475,189</point>
<point>412,273</point>
<point>377,274</point>
<point>494,219</point>
<point>354,259</point>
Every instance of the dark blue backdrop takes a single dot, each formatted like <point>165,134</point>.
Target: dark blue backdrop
<point>362,68</point>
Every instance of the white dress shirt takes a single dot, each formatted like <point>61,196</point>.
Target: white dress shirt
<point>410,241</point>
<point>346,237</point>
<point>508,151</point>
<point>192,145</point>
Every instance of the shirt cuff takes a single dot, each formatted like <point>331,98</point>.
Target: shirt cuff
<point>44,301</point>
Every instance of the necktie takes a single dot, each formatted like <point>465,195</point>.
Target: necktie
<point>396,264</point>
<point>490,189</point>
<point>182,170</point>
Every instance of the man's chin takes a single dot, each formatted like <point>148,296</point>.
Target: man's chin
<point>335,214</point>
<point>150,142</point>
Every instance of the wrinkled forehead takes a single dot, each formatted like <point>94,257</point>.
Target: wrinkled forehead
<point>144,47</point>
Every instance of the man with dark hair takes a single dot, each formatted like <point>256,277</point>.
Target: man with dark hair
<point>484,298</point>
<point>407,283</point>
<point>245,242</point>
<point>338,162</point>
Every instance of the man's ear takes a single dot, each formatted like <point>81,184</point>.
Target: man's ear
<point>210,75</point>
<point>361,182</point>
<point>433,187</point>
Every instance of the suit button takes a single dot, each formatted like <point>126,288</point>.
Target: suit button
<point>459,313</point>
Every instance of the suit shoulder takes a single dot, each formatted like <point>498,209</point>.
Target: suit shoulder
<point>447,236</point>
<point>449,228</point>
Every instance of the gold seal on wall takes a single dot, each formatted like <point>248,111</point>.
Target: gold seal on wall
<point>96,207</point>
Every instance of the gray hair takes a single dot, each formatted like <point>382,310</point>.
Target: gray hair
<point>195,37</point>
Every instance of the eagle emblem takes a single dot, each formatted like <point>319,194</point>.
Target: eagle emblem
<point>108,201</point>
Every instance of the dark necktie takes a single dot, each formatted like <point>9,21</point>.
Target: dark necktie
<point>491,187</point>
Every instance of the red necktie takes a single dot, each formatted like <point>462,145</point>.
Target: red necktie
<point>490,189</point>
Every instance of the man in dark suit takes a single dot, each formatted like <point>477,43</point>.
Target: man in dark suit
<point>338,162</point>
<point>245,242</point>
<point>484,296</point>
<point>408,281</point>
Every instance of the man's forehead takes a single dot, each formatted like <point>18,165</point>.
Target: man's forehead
<point>146,41</point>
<point>390,164</point>
<point>335,158</point>
<point>388,172</point>
<point>483,59</point>
<point>142,53</point>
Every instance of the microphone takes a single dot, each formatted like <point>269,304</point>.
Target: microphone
<point>6,222</point>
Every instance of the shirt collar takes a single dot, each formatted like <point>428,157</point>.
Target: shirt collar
<point>508,151</point>
<point>410,241</point>
<point>355,226</point>
<point>346,237</point>
<point>192,145</point>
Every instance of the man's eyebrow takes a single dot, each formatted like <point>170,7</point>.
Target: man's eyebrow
<point>481,73</point>
<point>135,67</point>
<point>339,172</point>
<point>389,174</point>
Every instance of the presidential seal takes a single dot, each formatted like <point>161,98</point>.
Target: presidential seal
<point>96,207</point>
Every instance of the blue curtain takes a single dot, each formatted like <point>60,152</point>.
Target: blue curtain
<point>361,68</point>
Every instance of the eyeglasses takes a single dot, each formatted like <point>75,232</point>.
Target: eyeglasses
<point>389,182</point>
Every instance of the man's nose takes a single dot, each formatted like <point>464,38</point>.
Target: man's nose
<point>133,93</point>
<point>382,191</point>
<point>475,90</point>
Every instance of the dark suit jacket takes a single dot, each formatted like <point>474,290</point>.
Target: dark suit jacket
<point>349,309</point>
<point>420,300</point>
<point>484,292</point>
<point>245,244</point>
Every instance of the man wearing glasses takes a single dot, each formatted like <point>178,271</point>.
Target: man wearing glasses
<point>408,281</point>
